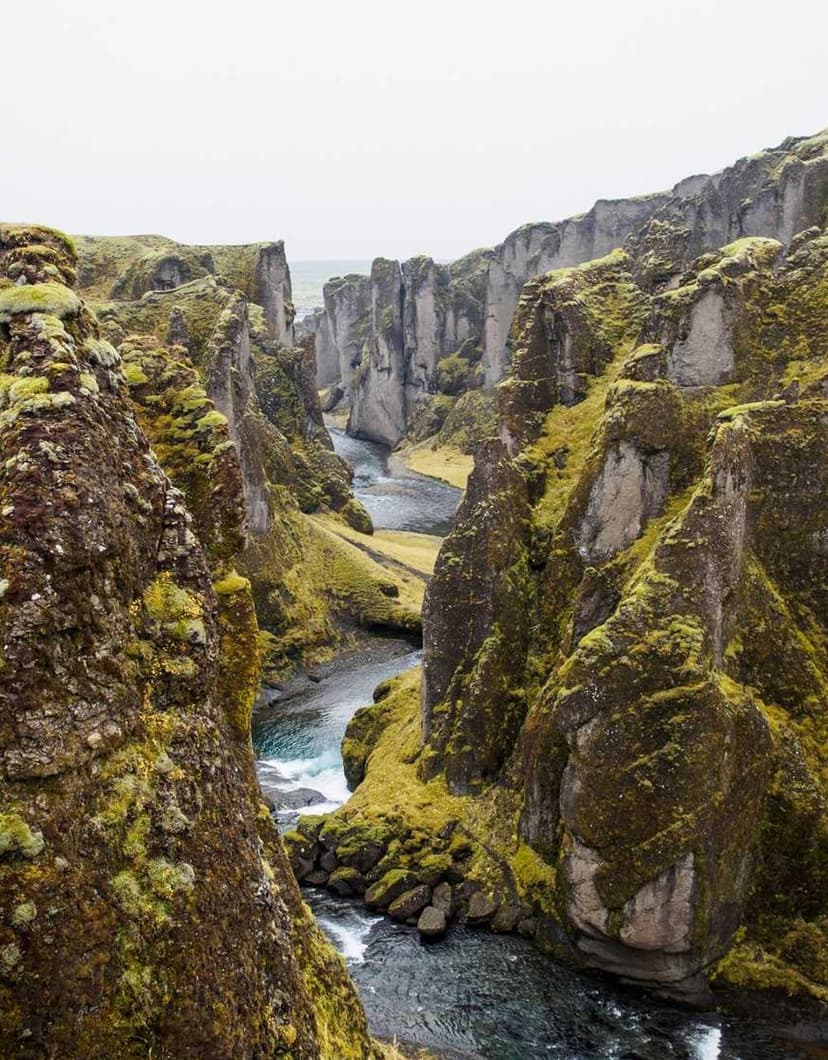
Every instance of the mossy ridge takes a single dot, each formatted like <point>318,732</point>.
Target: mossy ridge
<point>191,440</point>
<point>128,784</point>
<point>311,586</point>
<point>661,634</point>
<point>419,826</point>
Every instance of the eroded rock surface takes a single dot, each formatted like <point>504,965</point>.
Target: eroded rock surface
<point>146,902</point>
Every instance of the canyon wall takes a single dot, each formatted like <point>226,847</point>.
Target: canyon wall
<point>617,744</point>
<point>147,905</point>
<point>265,388</point>
<point>464,312</point>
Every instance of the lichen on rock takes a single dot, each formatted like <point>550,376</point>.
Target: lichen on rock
<point>131,816</point>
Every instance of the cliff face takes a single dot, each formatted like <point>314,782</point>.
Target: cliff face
<point>343,328</point>
<point>266,392</point>
<point>130,813</point>
<point>618,742</point>
<point>381,339</point>
<point>462,314</point>
<point>126,268</point>
<point>539,248</point>
<point>600,623</point>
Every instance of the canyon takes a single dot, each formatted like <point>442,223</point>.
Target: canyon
<point>598,732</point>
<point>420,332</point>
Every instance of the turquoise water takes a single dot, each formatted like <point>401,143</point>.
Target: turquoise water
<point>308,278</point>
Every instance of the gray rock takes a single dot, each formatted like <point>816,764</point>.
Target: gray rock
<point>411,903</point>
<point>443,899</point>
<point>328,861</point>
<point>528,927</point>
<point>481,908</point>
<point>297,799</point>
<point>432,922</point>
<point>317,878</point>
<point>506,918</point>
<point>347,882</point>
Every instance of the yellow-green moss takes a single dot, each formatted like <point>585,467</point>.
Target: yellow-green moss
<point>230,583</point>
<point>52,298</point>
<point>17,838</point>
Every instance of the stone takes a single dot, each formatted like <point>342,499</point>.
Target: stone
<point>443,899</point>
<point>328,861</point>
<point>347,882</point>
<point>528,927</point>
<point>411,903</point>
<point>387,889</point>
<point>432,922</point>
<point>506,918</point>
<point>481,909</point>
<point>317,878</point>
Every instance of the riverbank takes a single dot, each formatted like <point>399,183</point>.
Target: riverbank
<point>446,463</point>
<point>473,993</point>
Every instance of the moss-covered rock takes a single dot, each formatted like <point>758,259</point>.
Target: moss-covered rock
<point>625,670</point>
<point>131,818</point>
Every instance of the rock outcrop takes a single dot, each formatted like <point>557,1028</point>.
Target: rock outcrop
<point>126,268</point>
<point>308,587</point>
<point>624,695</point>
<point>146,904</point>
<point>457,319</point>
<point>647,731</point>
<point>381,339</point>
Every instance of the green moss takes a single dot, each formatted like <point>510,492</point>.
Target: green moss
<point>230,583</point>
<point>135,375</point>
<point>16,838</point>
<point>51,298</point>
<point>24,914</point>
<point>210,420</point>
<point>180,612</point>
<point>453,374</point>
<point>26,387</point>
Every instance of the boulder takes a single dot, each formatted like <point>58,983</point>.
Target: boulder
<point>506,918</point>
<point>432,922</point>
<point>411,903</point>
<point>347,882</point>
<point>328,861</point>
<point>443,899</point>
<point>481,909</point>
<point>389,887</point>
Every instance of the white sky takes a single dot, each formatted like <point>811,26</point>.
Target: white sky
<point>357,128</point>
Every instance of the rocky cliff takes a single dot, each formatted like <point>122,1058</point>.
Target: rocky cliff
<point>381,339</point>
<point>618,743</point>
<point>652,735</point>
<point>147,906</point>
<point>460,316</point>
<point>126,268</point>
<point>308,588</point>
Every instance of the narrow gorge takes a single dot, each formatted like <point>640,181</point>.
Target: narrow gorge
<point>473,624</point>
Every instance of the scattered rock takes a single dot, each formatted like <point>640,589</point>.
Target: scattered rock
<point>411,903</point>
<point>317,878</point>
<point>297,799</point>
<point>387,889</point>
<point>506,918</point>
<point>528,927</point>
<point>432,922</point>
<point>328,861</point>
<point>481,908</point>
<point>443,899</point>
<point>347,882</point>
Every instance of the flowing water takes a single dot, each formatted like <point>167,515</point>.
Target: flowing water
<point>471,994</point>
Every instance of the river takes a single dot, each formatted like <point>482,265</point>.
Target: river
<point>471,994</point>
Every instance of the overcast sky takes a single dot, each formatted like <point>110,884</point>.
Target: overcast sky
<point>359,128</point>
